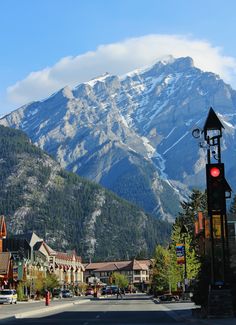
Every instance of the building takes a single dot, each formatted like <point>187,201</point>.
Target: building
<point>5,257</point>
<point>5,269</point>
<point>32,258</point>
<point>3,231</point>
<point>138,272</point>
<point>69,268</point>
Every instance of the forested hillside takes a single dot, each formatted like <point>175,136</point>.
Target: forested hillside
<point>68,211</point>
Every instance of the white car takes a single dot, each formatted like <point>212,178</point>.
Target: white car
<point>8,296</point>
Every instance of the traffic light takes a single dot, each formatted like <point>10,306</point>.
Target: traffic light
<point>215,187</point>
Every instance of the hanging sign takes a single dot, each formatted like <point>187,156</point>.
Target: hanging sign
<point>180,253</point>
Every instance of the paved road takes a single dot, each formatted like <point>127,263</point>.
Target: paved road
<point>133,309</point>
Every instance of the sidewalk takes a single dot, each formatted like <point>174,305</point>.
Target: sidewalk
<point>187,317</point>
<point>190,319</point>
<point>36,308</point>
<point>46,309</point>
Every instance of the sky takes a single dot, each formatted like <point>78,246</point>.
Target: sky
<point>49,44</point>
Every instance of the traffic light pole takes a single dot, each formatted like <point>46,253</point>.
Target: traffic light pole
<point>211,223</point>
<point>217,187</point>
<point>219,301</point>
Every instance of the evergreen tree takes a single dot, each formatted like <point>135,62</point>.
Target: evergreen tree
<point>166,272</point>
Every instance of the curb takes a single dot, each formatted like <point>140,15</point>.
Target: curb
<point>47,309</point>
<point>6,319</point>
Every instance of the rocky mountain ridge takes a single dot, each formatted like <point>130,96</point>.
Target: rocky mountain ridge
<point>133,134</point>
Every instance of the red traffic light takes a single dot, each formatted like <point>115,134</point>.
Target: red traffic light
<point>215,171</point>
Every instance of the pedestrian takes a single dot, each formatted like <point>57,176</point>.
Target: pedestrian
<point>119,294</point>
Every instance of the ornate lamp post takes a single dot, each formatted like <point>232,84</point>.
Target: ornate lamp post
<point>183,233</point>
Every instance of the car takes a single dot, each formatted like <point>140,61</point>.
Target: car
<point>108,290</point>
<point>89,292</point>
<point>104,291</point>
<point>8,296</point>
<point>67,293</point>
<point>168,297</point>
<point>114,290</point>
<point>57,293</point>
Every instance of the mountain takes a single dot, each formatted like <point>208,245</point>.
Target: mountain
<point>69,212</point>
<point>132,134</point>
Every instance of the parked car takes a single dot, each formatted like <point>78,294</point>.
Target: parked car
<point>108,290</point>
<point>104,291</point>
<point>168,297</point>
<point>57,293</point>
<point>89,292</point>
<point>8,296</point>
<point>114,289</point>
<point>67,293</point>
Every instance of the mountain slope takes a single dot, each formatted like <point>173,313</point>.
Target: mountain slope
<point>68,211</point>
<point>133,134</point>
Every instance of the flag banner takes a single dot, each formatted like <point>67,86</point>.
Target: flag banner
<point>180,253</point>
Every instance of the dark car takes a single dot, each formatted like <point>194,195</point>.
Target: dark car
<point>67,294</point>
<point>57,293</point>
<point>168,297</point>
<point>114,290</point>
<point>108,290</point>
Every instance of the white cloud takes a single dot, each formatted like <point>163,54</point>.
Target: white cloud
<point>120,58</point>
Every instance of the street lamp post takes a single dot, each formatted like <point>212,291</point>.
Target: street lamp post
<point>183,233</point>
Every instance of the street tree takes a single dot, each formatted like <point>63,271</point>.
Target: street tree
<point>160,276</point>
<point>120,280</point>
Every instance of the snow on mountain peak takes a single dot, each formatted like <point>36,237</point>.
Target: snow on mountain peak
<point>149,112</point>
<point>101,78</point>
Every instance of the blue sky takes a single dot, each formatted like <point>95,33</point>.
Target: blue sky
<point>47,44</point>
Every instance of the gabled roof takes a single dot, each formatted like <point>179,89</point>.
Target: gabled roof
<point>30,237</point>
<point>4,262</point>
<point>37,245</point>
<point>108,267</point>
<point>3,228</point>
<point>118,266</point>
<point>71,256</point>
<point>49,249</point>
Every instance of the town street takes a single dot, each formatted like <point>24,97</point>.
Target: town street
<point>132,309</point>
